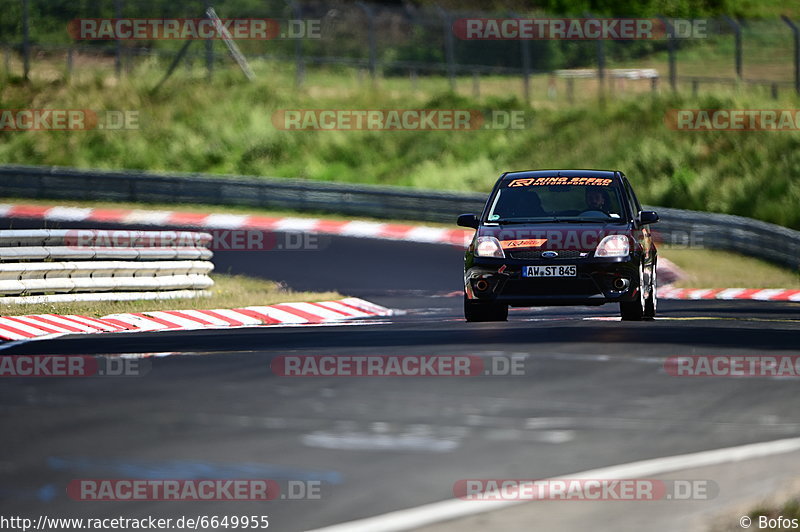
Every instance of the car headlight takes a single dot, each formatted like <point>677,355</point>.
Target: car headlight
<point>488,246</point>
<point>613,246</point>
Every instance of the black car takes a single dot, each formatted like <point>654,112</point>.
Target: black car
<point>560,237</point>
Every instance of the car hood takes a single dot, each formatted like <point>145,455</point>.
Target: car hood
<point>553,236</point>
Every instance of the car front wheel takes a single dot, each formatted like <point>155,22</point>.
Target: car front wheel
<point>651,303</point>
<point>635,310</point>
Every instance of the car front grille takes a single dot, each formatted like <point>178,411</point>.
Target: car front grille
<point>537,254</point>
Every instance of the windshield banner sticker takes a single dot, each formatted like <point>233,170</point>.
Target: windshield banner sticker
<point>533,181</point>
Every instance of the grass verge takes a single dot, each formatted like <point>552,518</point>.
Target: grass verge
<point>229,291</point>
<point>710,268</point>
<point>786,513</point>
<point>225,126</point>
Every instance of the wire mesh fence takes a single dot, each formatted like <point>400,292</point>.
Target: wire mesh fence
<point>418,44</point>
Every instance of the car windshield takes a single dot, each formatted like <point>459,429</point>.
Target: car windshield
<point>568,199</point>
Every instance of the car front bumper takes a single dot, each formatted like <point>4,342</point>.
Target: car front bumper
<point>494,280</point>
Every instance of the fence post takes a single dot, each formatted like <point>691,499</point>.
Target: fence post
<point>209,45</point>
<point>695,87</point>
<point>449,46</point>
<point>118,51</point>
<point>601,66</point>
<point>796,32</point>
<point>525,46</point>
<point>737,29</point>
<point>373,51</point>
<point>601,71</point>
<point>26,41</point>
<point>69,63</point>
<point>299,60</point>
<point>671,52</point>
<point>571,90</point>
<point>774,91</point>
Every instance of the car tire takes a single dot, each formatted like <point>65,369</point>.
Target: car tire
<point>484,311</point>
<point>634,310</point>
<point>651,303</point>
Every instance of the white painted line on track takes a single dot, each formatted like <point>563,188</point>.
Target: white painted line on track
<point>455,508</point>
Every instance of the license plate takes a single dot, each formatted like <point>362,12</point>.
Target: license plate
<point>550,271</point>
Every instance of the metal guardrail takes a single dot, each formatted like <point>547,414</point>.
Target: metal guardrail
<point>679,227</point>
<point>276,193</point>
<point>60,265</point>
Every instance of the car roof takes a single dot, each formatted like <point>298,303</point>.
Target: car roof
<point>565,173</point>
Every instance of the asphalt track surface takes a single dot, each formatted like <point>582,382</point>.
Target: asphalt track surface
<point>594,393</point>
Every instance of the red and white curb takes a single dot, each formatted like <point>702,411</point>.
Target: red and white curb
<point>358,229</point>
<point>730,294</point>
<point>50,325</point>
<point>667,271</point>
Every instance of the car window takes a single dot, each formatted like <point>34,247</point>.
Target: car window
<point>568,198</point>
<point>635,205</point>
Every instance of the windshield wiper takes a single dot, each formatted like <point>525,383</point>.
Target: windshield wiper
<point>590,220</point>
<point>529,221</point>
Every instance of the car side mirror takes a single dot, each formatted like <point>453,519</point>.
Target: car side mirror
<point>468,220</point>
<point>648,217</point>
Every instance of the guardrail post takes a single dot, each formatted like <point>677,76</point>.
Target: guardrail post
<point>118,46</point>
<point>796,32</point>
<point>26,40</point>
<point>449,46</point>
<point>737,29</point>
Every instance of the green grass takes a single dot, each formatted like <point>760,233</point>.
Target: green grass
<point>789,511</point>
<point>225,126</point>
<point>229,291</point>
<point>707,268</point>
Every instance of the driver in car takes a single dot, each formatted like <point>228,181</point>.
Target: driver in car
<point>597,200</point>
